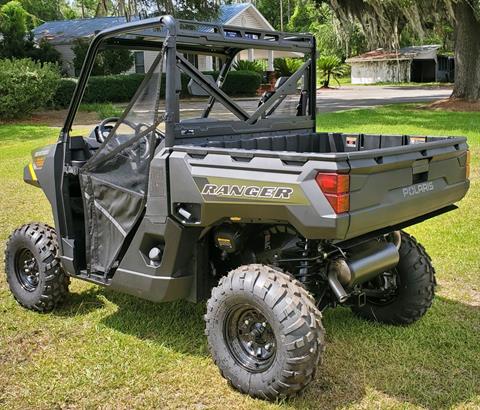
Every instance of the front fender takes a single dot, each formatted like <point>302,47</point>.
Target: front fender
<point>29,175</point>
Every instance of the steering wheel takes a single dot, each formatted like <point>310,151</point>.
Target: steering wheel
<point>102,130</point>
<point>139,150</point>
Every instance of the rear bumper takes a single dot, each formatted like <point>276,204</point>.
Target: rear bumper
<point>393,212</point>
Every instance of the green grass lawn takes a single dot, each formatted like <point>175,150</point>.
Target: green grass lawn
<point>103,349</point>
<point>347,80</point>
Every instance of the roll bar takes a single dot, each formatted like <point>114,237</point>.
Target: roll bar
<point>167,21</point>
<point>189,36</point>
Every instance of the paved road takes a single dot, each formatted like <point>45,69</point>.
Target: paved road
<point>328,100</point>
<point>334,99</point>
<point>348,97</point>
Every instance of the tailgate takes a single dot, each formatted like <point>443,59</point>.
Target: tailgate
<point>392,185</point>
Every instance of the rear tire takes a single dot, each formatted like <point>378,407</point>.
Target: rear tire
<point>264,332</point>
<point>415,277</point>
<point>33,269</point>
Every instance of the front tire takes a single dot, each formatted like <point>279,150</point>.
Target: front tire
<point>33,269</point>
<point>415,288</point>
<point>264,332</point>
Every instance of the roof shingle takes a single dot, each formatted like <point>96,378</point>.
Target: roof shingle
<point>65,31</point>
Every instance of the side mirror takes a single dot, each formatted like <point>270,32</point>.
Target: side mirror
<point>196,90</point>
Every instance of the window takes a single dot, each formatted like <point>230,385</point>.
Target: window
<point>139,62</point>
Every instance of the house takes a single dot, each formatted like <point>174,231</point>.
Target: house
<point>409,64</point>
<point>62,35</point>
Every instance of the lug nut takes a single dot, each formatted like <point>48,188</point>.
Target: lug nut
<point>268,347</point>
<point>247,322</point>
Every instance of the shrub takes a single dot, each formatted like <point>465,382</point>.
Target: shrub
<point>121,88</point>
<point>112,88</point>
<point>285,67</point>
<point>64,92</point>
<point>107,62</point>
<point>245,65</point>
<point>242,83</point>
<point>25,85</point>
<point>330,67</point>
<point>44,52</point>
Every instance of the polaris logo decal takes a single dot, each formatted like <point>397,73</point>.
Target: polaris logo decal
<point>247,191</point>
<point>418,189</point>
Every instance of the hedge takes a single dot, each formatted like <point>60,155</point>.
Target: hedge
<point>25,86</point>
<point>121,88</point>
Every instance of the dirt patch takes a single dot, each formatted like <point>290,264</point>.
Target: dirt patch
<point>450,104</point>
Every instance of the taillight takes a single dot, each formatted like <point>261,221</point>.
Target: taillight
<point>336,188</point>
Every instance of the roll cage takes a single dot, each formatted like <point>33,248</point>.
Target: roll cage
<point>182,36</point>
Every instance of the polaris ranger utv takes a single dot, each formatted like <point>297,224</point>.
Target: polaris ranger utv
<point>250,208</point>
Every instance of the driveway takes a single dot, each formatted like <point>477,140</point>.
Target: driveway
<point>348,97</point>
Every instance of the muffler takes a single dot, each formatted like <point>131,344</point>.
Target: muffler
<point>363,263</point>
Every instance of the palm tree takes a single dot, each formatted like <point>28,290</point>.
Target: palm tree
<point>246,65</point>
<point>330,67</point>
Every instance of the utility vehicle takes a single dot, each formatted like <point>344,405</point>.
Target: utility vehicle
<point>243,204</point>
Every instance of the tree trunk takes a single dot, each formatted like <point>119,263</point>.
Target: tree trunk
<point>467,53</point>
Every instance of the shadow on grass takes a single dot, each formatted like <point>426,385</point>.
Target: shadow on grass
<point>434,363</point>
<point>77,304</point>
<point>175,325</point>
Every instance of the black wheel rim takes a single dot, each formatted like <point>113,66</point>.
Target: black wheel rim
<point>26,270</point>
<point>250,338</point>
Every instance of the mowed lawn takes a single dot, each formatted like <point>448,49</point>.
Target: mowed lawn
<point>102,349</point>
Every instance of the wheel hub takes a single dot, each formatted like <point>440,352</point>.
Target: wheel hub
<point>250,338</point>
<point>26,269</point>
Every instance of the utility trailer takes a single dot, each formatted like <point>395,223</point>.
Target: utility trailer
<point>248,207</point>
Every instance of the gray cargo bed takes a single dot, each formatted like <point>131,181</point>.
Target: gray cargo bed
<point>393,178</point>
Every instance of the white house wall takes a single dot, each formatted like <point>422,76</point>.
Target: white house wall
<point>371,72</point>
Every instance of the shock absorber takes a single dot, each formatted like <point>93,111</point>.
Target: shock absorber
<point>305,271</point>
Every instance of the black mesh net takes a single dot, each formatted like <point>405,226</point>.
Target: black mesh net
<point>114,181</point>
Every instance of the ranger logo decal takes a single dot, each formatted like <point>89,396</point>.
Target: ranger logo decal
<point>248,191</point>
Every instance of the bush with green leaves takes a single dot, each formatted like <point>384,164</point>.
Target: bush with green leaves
<point>245,65</point>
<point>285,67</point>
<point>107,62</point>
<point>243,83</point>
<point>330,67</point>
<point>64,92</point>
<point>25,86</point>
<point>121,88</point>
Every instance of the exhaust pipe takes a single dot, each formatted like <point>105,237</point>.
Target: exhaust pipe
<point>397,239</point>
<point>362,265</point>
<point>337,287</point>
